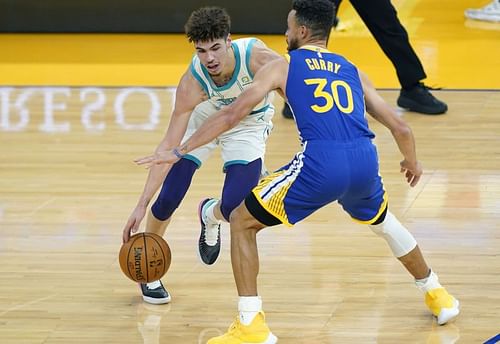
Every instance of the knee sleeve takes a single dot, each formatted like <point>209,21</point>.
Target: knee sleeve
<point>174,189</point>
<point>240,180</point>
<point>397,236</point>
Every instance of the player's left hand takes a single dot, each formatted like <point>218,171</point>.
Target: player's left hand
<point>412,171</point>
<point>162,157</point>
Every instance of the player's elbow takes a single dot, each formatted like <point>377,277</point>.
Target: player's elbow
<point>401,130</point>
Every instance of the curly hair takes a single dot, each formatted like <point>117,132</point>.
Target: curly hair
<point>208,24</point>
<point>316,15</point>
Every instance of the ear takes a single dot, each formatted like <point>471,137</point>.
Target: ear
<point>229,40</point>
<point>303,32</point>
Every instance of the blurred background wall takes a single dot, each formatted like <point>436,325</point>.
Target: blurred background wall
<point>133,16</point>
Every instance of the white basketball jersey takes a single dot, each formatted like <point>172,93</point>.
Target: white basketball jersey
<point>224,95</point>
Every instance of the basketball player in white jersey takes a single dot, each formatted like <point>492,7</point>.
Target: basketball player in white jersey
<point>219,71</point>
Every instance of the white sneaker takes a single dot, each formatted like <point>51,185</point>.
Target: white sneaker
<point>490,12</point>
<point>209,241</point>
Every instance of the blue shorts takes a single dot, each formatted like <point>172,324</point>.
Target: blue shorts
<point>324,172</point>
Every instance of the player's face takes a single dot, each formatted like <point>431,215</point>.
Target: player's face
<point>213,54</point>
<point>292,32</point>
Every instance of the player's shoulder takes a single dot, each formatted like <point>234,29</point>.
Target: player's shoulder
<point>247,40</point>
<point>258,54</point>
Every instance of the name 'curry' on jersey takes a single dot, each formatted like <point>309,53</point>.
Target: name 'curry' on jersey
<point>324,92</point>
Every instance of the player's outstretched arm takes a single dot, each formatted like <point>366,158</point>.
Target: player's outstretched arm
<point>270,77</point>
<point>385,114</point>
<point>187,96</point>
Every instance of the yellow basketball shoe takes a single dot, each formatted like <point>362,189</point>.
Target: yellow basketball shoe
<point>256,333</point>
<point>444,306</point>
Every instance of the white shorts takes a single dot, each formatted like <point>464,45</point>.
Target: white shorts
<point>243,144</point>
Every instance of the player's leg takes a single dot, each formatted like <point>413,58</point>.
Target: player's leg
<point>239,181</point>
<point>179,178</point>
<point>250,326</point>
<point>171,194</point>
<point>404,247</point>
<point>173,190</point>
<point>285,196</point>
<point>366,202</point>
<point>242,150</point>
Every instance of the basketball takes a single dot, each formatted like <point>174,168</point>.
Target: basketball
<point>145,257</point>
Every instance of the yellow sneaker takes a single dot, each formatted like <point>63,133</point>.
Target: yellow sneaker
<point>256,333</point>
<point>444,306</point>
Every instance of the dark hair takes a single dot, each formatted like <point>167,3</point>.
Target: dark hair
<point>207,24</point>
<point>317,15</point>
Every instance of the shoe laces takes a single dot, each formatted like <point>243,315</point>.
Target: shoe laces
<point>211,233</point>
<point>211,229</point>
<point>235,328</point>
<point>429,88</point>
<point>425,92</point>
<point>491,7</point>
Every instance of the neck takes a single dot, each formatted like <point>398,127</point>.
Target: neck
<point>321,43</point>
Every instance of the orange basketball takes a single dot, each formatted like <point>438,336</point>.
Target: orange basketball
<point>145,257</point>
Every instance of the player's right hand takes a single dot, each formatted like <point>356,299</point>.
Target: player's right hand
<point>161,157</point>
<point>133,222</point>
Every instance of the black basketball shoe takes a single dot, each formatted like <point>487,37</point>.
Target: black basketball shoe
<point>155,293</point>
<point>209,251</point>
<point>419,99</point>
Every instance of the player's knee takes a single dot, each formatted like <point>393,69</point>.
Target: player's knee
<point>163,208</point>
<point>228,206</point>
<point>174,189</point>
<point>167,202</point>
<point>237,215</point>
<point>397,236</point>
<point>240,180</point>
<point>242,220</point>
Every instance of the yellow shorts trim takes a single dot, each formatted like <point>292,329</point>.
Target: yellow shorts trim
<point>273,206</point>
<point>380,211</point>
<point>283,219</point>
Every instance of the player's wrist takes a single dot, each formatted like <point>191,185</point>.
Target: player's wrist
<point>178,153</point>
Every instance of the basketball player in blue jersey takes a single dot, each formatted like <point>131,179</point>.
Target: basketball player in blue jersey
<point>338,162</point>
<point>219,71</point>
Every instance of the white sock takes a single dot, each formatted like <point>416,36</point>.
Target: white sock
<point>211,222</point>
<point>208,212</point>
<point>153,285</point>
<point>428,283</point>
<point>249,307</point>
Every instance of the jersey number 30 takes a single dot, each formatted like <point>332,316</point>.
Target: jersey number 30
<point>332,98</point>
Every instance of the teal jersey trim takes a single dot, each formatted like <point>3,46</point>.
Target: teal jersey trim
<point>248,54</point>
<point>200,80</point>
<point>235,72</point>
<point>193,159</point>
<point>234,162</point>
<point>262,109</point>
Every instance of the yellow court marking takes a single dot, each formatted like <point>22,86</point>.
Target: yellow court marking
<point>455,52</point>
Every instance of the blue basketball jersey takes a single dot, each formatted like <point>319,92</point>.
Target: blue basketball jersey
<point>326,97</point>
<point>339,161</point>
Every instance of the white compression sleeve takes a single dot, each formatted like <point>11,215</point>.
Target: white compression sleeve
<point>397,236</point>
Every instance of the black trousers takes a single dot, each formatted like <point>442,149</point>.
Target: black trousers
<point>381,18</point>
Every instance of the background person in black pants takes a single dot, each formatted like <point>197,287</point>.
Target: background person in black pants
<point>381,18</point>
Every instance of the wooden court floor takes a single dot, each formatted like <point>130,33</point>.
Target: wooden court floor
<point>67,185</point>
